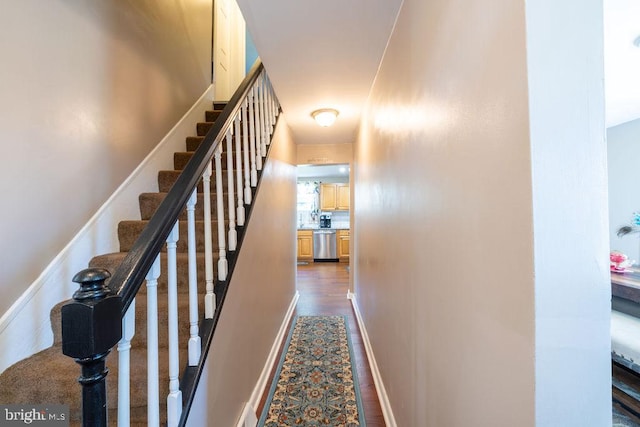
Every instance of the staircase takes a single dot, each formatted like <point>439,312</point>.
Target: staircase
<point>50,377</point>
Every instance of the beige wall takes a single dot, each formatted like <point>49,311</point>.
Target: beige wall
<point>262,287</point>
<point>444,237</point>
<point>88,89</point>
<point>318,154</point>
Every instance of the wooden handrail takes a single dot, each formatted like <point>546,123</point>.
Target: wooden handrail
<point>128,277</point>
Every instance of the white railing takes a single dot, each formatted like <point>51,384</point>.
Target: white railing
<point>248,134</point>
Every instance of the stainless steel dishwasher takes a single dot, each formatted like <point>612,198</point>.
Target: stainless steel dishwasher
<point>324,245</point>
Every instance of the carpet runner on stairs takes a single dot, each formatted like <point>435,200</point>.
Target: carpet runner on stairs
<point>50,377</point>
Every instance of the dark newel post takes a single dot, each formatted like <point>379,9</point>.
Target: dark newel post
<point>91,326</point>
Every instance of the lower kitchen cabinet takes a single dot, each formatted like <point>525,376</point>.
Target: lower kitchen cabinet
<point>305,245</point>
<point>343,245</point>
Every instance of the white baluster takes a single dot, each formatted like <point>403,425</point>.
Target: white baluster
<point>174,398</point>
<point>270,108</point>
<point>209,298</point>
<point>274,103</point>
<point>245,153</point>
<point>233,235</point>
<point>252,139</point>
<point>124,365</point>
<point>194,338</point>
<point>263,120</point>
<point>153,386</point>
<point>239,187</point>
<point>222,260</point>
<point>256,87</point>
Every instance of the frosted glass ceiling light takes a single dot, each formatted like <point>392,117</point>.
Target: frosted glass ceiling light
<point>325,117</point>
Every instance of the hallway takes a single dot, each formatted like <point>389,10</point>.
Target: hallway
<point>323,291</point>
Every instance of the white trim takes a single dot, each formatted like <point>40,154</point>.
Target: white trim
<point>30,312</point>
<point>261,385</point>
<point>248,417</point>
<point>387,412</point>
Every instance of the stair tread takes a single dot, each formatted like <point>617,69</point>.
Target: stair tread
<point>166,179</point>
<point>149,203</point>
<point>56,376</point>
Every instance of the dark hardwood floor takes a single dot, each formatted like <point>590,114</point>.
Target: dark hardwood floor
<point>626,395</point>
<point>323,291</point>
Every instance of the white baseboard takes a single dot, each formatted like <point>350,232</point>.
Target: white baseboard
<point>387,412</point>
<point>25,328</point>
<point>248,417</point>
<point>261,385</point>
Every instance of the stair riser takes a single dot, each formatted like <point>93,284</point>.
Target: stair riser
<point>193,142</point>
<point>181,159</point>
<point>140,338</point>
<point>149,203</point>
<point>111,263</point>
<point>166,179</point>
<point>212,115</point>
<point>203,128</point>
<point>128,232</point>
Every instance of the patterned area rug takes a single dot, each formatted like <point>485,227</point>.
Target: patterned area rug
<point>316,383</point>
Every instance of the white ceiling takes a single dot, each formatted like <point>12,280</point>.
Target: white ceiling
<point>321,54</point>
<point>325,54</point>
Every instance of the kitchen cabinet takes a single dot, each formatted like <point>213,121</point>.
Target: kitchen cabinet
<point>343,245</point>
<point>334,197</point>
<point>305,244</point>
<point>342,197</point>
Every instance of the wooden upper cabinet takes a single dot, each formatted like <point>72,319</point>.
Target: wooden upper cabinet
<point>342,197</point>
<point>334,197</point>
<point>327,197</point>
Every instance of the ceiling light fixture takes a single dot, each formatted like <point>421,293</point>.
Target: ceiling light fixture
<point>636,41</point>
<point>325,117</point>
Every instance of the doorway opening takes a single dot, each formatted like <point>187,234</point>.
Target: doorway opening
<point>323,214</point>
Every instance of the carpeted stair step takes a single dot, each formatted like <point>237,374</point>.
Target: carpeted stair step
<point>212,115</point>
<point>140,338</point>
<point>167,178</point>
<point>193,142</point>
<point>56,376</point>
<point>112,261</point>
<point>219,105</point>
<point>149,203</point>
<point>203,127</point>
<point>128,232</point>
<point>181,158</point>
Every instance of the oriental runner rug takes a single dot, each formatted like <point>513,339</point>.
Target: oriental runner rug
<point>316,382</point>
